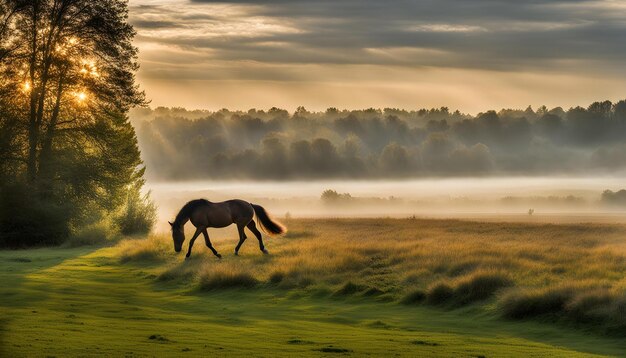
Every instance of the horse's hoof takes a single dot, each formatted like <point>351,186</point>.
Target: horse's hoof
<point>236,253</point>
<point>265,252</point>
<point>186,257</point>
<point>218,256</point>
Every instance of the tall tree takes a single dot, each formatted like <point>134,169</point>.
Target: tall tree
<point>67,70</point>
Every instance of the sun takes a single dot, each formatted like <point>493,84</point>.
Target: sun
<point>81,96</point>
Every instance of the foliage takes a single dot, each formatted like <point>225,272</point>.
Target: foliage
<point>138,214</point>
<point>480,286</point>
<point>151,249</point>
<point>439,293</point>
<point>67,82</point>
<point>614,198</point>
<point>218,278</point>
<point>387,143</point>
<point>582,303</point>
<point>332,196</point>
<point>27,220</point>
<point>96,233</point>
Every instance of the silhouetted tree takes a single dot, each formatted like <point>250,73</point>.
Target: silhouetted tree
<point>67,70</point>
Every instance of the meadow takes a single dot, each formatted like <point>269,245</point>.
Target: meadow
<point>381,287</point>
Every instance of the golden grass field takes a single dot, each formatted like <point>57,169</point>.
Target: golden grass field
<point>574,273</point>
<point>330,287</point>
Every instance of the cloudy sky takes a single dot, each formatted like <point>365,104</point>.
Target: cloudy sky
<point>472,55</point>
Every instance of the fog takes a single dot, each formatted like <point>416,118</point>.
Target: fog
<point>539,165</point>
<point>553,199</point>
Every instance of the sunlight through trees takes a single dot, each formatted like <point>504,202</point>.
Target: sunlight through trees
<point>67,70</point>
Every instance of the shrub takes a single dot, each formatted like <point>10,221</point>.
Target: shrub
<point>97,233</point>
<point>183,272</point>
<point>276,277</point>
<point>139,213</point>
<point>439,293</point>
<point>416,296</point>
<point>590,307</point>
<point>154,248</point>
<point>373,291</point>
<point>26,220</point>
<point>349,288</point>
<point>480,286</point>
<point>579,303</point>
<point>215,279</point>
<point>291,279</point>
<point>476,287</point>
<point>521,304</point>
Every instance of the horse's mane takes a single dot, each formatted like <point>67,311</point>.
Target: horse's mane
<point>187,209</point>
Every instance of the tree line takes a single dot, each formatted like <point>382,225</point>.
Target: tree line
<point>374,143</point>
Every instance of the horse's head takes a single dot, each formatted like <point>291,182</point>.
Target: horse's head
<point>178,235</point>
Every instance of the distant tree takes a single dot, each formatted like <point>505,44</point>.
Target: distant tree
<point>557,111</point>
<point>301,112</point>
<point>619,111</point>
<point>476,159</point>
<point>278,113</point>
<point>395,159</point>
<point>529,112</point>
<point>614,198</point>
<point>335,144</point>
<point>324,157</point>
<point>437,126</point>
<point>601,109</point>
<point>274,158</point>
<point>332,196</point>
<point>550,126</point>
<point>542,110</point>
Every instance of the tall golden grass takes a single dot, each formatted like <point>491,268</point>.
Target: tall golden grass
<point>563,272</point>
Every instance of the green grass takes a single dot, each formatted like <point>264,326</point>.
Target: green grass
<point>115,302</point>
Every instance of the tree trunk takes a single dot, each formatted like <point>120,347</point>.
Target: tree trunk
<point>46,174</point>
<point>33,126</point>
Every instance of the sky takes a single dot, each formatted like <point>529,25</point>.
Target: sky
<point>471,55</point>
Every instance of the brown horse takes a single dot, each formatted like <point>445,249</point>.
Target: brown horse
<point>204,214</point>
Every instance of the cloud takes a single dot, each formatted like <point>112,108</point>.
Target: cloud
<point>206,38</point>
<point>481,33</point>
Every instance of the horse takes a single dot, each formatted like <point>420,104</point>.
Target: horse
<point>204,214</point>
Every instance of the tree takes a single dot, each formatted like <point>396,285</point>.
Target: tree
<point>332,196</point>
<point>67,70</point>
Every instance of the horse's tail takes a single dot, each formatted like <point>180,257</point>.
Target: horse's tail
<point>267,224</point>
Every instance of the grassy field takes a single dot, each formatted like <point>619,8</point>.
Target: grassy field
<point>329,288</point>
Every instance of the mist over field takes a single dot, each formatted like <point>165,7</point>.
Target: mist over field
<point>551,199</point>
<point>390,162</point>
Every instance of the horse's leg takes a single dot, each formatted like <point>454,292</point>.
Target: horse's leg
<point>208,243</point>
<point>242,238</point>
<point>193,239</point>
<point>257,233</point>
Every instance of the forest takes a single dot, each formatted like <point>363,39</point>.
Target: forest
<point>380,143</point>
